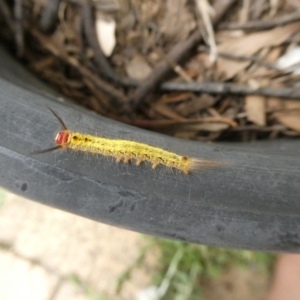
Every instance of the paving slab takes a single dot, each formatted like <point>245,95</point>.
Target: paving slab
<point>68,245</point>
<point>20,279</point>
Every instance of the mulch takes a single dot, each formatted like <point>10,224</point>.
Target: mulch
<point>219,70</point>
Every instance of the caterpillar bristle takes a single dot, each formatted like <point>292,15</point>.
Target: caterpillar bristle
<point>200,164</point>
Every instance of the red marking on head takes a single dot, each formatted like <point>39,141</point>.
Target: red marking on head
<point>62,138</point>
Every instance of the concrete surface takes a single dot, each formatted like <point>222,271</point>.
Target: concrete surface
<point>47,254</point>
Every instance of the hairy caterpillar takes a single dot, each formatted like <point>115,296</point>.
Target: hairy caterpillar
<point>126,150</point>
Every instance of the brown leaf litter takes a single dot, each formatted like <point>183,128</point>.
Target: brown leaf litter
<point>162,57</point>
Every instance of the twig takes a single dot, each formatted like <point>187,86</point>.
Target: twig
<point>205,11</point>
<point>263,24</point>
<point>277,127</point>
<point>5,12</point>
<point>274,4</point>
<point>180,51</point>
<point>176,68</point>
<point>244,12</point>
<point>104,67</point>
<point>48,20</point>
<point>167,123</point>
<point>101,84</point>
<point>230,88</point>
<point>291,133</point>
<point>92,39</point>
<point>19,34</point>
<point>258,8</point>
<point>85,72</point>
<point>253,59</point>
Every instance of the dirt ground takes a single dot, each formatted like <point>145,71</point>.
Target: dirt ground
<point>47,254</point>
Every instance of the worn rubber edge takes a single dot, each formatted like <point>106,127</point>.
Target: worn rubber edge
<point>252,203</point>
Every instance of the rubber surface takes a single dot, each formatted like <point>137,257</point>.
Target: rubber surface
<point>253,202</point>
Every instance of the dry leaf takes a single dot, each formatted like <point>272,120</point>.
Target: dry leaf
<point>176,97</point>
<point>276,104</point>
<point>271,57</point>
<point>290,119</point>
<point>204,59</point>
<point>249,44</point>
<point>188,135</point>
<point>290,61</point>
<point>211,127</point>
<point>138,68</point>
<point>273,54</point>
<point>256,109</point>
<point>195,105</point>
<point>105,29</point>
<point>178,20</point>
<point>166,111</point>
<point>231,112</point>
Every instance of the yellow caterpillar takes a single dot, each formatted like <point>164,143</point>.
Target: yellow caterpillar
<point>125,150</point>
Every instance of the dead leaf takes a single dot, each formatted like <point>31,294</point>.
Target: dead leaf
<point>138,68</point>
<point>273,54</point>
<point>256,109</point>
<point>191,73</point>
<point>105,29</point>
<point>290,119</point>
<point>264,74</point>
<point>166,111</point>
<point>204,59</point>
<point>249,44</point>
<point>271,58</point>
<point>276,104</point>
<point>176,97</point>
<point>178,21</point>
<point>290,61</point>
<point>231,112</point>
<point>196,104</point>
<point>211,127</point>
<point>188,135</point>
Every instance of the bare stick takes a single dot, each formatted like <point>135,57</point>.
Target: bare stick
<point>103,66</point>
<point>205,12</point>
<point>253,59</point>
<point>5,13</point>
<point>263,24</point>
<point>230,88</point>
<point>49,15</point>
<point>167,123</point>
<point>19,34</point>
<point>85,72</point>
<point>177,54</point>
<point>176,68</point>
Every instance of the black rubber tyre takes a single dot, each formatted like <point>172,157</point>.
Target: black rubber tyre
<point>253,202</point>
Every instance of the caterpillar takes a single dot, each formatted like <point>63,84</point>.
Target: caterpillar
<point>125,150</point>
